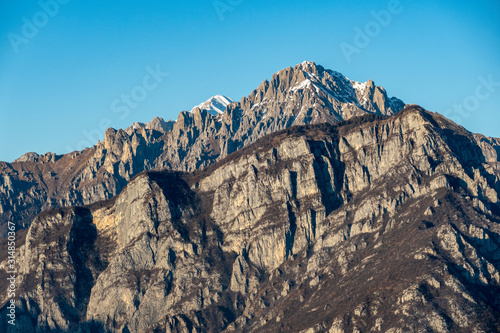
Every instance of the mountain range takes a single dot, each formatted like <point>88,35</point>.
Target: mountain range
<point>314,204</point>
<point>304,94</point>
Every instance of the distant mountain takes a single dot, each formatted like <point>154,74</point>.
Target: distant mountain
<point>215,105</point>
<point>304,94</point>
<point>157,124</point>
<point>374,224</point>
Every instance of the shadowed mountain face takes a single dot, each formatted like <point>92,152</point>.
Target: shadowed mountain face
<point>304,94</point>
<point>383,223</point>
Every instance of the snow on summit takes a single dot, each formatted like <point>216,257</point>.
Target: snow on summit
<point>215,105</point>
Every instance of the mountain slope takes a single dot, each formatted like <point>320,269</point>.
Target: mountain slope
<point>378,223</point>
<point>304,94</point>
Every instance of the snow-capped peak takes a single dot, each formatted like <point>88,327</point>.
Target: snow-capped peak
<point>215,105</point>
<point>310,63</point>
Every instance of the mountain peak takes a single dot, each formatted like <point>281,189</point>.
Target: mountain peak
<point>309,93</point>
<point>215,105</point>
<point>314,68</point>
<point>306,65</point>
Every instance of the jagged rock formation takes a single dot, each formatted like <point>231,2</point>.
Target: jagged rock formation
<point>157,124</point>
<point>379,223</point>
<point>304,94</point>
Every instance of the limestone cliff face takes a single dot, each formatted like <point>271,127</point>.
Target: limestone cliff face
<point>378,223</point>
<point>304,94</point>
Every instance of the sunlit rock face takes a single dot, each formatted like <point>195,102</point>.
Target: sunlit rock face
<point>304,94</point>
<point>378,223</point>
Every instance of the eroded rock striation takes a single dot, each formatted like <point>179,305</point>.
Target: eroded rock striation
<point>378,223</point>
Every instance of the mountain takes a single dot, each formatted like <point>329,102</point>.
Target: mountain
<point>157,124</point>
<point>215,105</point>
<point>377,223</point>
<point>304,94</point>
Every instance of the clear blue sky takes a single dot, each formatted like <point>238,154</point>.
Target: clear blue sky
<point>62,80</point>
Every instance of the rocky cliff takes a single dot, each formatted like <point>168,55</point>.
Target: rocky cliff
<point>304,94</point>
<point>379,223</point>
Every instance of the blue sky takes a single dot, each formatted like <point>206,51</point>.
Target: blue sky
<point>63,81</point>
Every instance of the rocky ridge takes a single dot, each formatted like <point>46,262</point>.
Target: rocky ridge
<point>374,224</point>
<point>304,94</point>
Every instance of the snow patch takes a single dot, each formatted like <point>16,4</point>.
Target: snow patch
<point>360,88</point>
<point>215,105</point>
<point>303,85</point>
